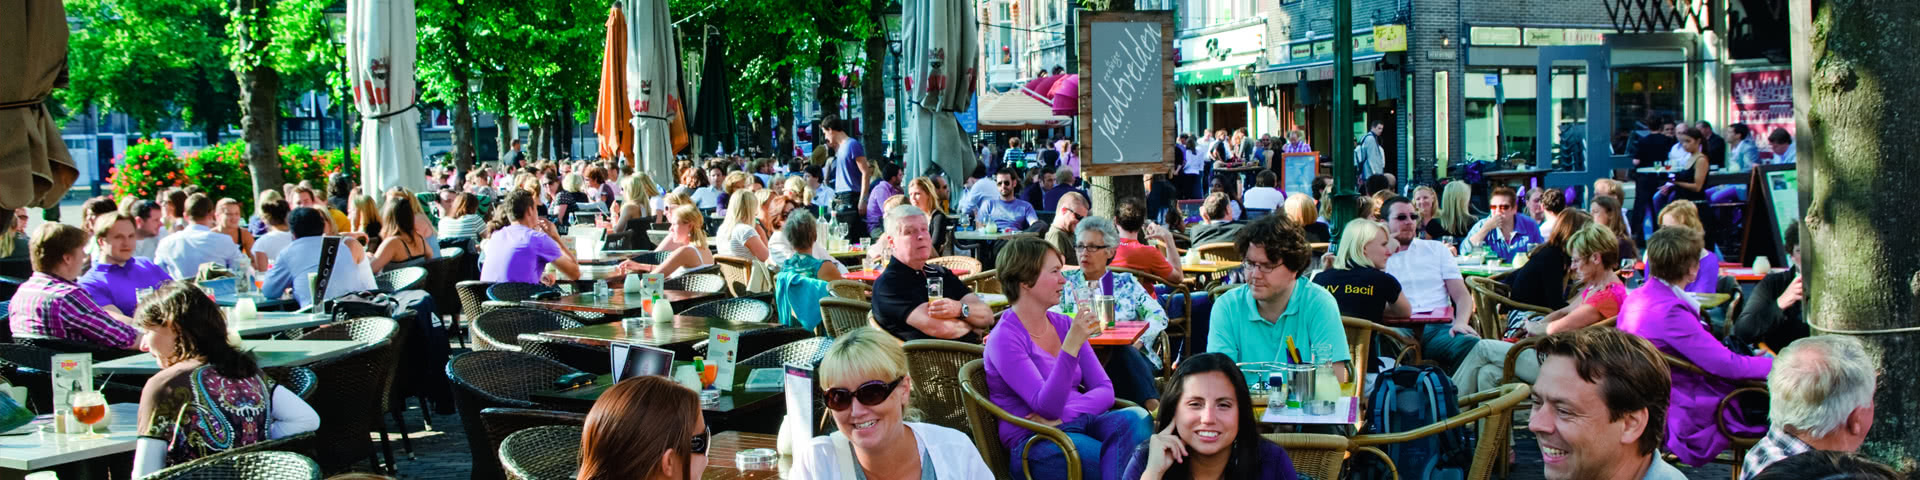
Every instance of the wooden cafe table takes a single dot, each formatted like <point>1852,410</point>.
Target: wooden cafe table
<point>1435,316</point>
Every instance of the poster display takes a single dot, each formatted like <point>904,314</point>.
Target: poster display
<point>1763,99</point>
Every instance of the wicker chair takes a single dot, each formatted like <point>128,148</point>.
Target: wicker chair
<point>503,421</point>
<point>1492,408</point>
<point>707,282</point>
<point>473,294</point>
<point>840,315</point>
<point>983,282</point>
<point>1491,305</point>
<point>542,453</point>
<point>515,291</point>
<point>957,262</point>
<point>1360,335</point>
<point>354,390</point>
<point>488,379</point>
<point>935,368</point>
<point>266,465</point>
<point>984,417</point>
<point>301,444</point>
<point>851,290</point>
<point>1738,444</point>
<point>301,381</point>
<point>1177,327</point>
<point>736,310</point>
<point>500,329</point>
<point>1320,456</point>
<point>397,279</point>
<point>1218,252</point>
<point>592,359</point>
<point>738,272</point>
<point>804,352</point>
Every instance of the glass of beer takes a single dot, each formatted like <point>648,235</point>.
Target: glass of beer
<point>89,407</point>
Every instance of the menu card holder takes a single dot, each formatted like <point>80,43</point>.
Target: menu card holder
<point>722,345</point>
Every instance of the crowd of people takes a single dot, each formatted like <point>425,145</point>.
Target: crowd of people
<point>1625,365</point>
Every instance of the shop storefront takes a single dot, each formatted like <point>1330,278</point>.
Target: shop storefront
<point>1297,84</point>
<point>1212,75</point>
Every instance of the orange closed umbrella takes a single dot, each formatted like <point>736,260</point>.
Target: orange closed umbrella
<point>612,120</point>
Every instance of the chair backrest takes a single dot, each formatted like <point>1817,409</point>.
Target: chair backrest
<point>737,310</point>
<point>1493,406</point>
<point>299,380</point>
<point>502,422</point>
<point>100,353</point>
<point>1255,213</point>
<point>1314,455</point>
<point>487,379</point>
<point>1218,252</point>
<point>851,290</point>
<point>355,389</point>
<point>806,351</point>
<point>541,453</point>
<point>840,315</point>
<point>738,271</point>
<point>956,262</point>
<point>984,427</point>
<point>709,282</point>
<point>263,465</point>
<point>984,282</point>
<point>397,279</point>
<point>473,293</point>
<point>500,329</point>
<point>515,291</point>
<point>935,368</point>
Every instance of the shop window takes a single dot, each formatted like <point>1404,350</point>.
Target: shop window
<point>1640,93</point>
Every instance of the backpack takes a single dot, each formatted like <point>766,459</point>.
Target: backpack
<point>365,303</point>
<point>1408,397</point>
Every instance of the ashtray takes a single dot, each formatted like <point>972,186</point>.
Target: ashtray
<point>757,459</point>
<point>1319,407</point>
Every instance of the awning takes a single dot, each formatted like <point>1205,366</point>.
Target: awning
<point>1017,110</point>
<point>1208,72</point>
<point>1313,71</point>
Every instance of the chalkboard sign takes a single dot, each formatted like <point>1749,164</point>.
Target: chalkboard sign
<point>1773,203</point>
<point>1297,171</point>
<point>1126,93</point>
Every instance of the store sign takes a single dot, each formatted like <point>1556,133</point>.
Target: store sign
<point>1390,38</point>
<point>1220,46</point>
<point>1763,99</point>
<point>1544,37</point>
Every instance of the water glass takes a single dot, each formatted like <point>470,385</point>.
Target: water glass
<point>934,285</point>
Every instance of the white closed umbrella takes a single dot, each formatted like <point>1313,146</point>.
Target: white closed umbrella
<point>380,55</point>
<point>939,45</point>
<point>653,83</point>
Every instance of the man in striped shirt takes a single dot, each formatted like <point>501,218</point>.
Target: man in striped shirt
<point>51,304</point>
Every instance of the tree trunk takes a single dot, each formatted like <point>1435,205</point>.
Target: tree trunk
<point>828,91</point>
<point>873,94</point>
<point>1107,191</point>
<point>535,148</point>
<point>463,135</point>
<point>1853,106</point>
<point>259,90</point>
<point>506,130</point>
<point>783,115</point>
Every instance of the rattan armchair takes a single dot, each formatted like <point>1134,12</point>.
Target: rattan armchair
<point>1321,456</point>
<point>397,279</point>
<point>473,297</point>
<point>738,272</point>
<point>1491,305</point>
<point>983,282</point>
<point>1360,336</point>
<point>736,310</point>
<point>1218,252</point>
<point>588,358</point>
<point>488,379</point>
<point>515,291</point>
<point>500,329</point>
<point>542,453</point>
<point>504,422</point>
<point>958,262</point>
<point>935,368</point>
<point>354,391</point>
<point>707,282</point>
<point>1737,443</point>
<point>840,316</point>
<point>851,290</point>
<point>807,352</point>
<point>100,353</point>
<point>984,419</point>
<point>302,381</point>
<point>1492,409</point>
<point>258,465</point>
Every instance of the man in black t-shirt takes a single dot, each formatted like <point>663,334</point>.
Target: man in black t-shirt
<point>900,294</point>
<point>1356,281</point>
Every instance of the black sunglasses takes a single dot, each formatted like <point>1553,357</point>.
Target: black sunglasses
<point>870,394</point>
<point>700,440</point>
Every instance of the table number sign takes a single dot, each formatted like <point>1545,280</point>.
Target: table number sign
<point>71,372</point>
<point>722,345</point>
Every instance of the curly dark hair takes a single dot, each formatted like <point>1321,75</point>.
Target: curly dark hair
<point>1280,238</point>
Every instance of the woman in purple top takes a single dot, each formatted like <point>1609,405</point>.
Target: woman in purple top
<point>1684,214</point>
<point>1669,317</point>
<point>520,244</point>
<point>1206,429</point>
<point>1040,366</point>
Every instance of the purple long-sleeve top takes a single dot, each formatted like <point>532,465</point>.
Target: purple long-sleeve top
<point>1708,281</point>
<point>1656,312</point>
<point>1023,379</point>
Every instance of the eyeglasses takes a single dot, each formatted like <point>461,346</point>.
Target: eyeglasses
<point>1258,267</point>
<point>1004,182</point>
<point>1498,208</point>
<point>1405,217</point>
<point>870,394</point>
<point>699,444</point>
<point>1090,248</point>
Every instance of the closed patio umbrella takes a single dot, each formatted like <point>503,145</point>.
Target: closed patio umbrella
<point>35,168</point>
<point>713,117</point>
<point>611,118</point>
<point>380,55</point>
<point>939,44</point>
<point>653,83</point>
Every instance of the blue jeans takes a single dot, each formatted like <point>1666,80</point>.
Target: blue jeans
<point>1132,375</point>
<point>1104,441</point>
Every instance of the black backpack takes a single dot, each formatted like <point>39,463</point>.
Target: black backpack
<point>365,303</point>
<point>1408,397</point>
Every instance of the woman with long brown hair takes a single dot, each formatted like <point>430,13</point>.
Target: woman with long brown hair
<point>644,428</point>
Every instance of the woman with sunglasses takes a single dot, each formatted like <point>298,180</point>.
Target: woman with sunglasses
<point>1207,431</point>
<point>644,428</point>
<point>1094,239</point>
<point>1040,366</point>
<point>865,374</point>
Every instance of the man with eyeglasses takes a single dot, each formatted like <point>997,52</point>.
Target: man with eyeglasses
<point>1072,207</point>
<point>1009,213</point>
<point>901,304</point>
<point>1430,279</point>
<point>1504,230</point>
<point>1275,315</point>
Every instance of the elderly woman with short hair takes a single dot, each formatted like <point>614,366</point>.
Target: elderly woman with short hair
<point>1094,239</point>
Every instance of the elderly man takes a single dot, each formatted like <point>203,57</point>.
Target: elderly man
<point>118,274</point>
<point>1820,398</point>
<point>900,304</point>
<point>50,304</point>
<point>184,252</point>
<point>1431,280</point>
<point>1009,212</point>
<point>1600,406</point>
<point>1060,233</point>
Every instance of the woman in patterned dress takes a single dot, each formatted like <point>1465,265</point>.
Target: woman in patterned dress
<point>209,397</point>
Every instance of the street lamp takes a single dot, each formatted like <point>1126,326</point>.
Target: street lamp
<point>891,18</point>
<point>335,16</point>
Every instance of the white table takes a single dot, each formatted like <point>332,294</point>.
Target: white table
<point>44,449</point>
<point>270,353</point>
<point>265,323</point>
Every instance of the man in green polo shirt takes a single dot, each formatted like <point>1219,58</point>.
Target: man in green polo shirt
<point>1253,322</point>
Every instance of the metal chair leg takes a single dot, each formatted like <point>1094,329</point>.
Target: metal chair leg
<point>405,443</point>
<point>386,445</point>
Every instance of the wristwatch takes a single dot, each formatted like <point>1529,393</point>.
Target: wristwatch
<point>966,310</point>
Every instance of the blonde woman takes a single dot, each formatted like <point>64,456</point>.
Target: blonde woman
<point>1426,204</point>
<point>1455,218</point>
<point>685,246</point>
<point>364,219</point>
<point>922,193</point>
<point>1682,214</point>
<point>799,191</point>
<point>1355,277</point>
<point>1595,256</point>
<point>867,386</point>
<point>637,193</point>
<point>1305,212</point>
<point>740,233</point>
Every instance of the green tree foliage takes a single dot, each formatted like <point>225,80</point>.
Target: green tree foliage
<point>153,60</point>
